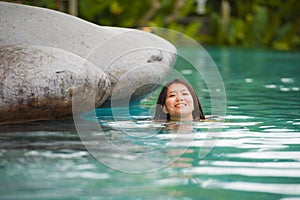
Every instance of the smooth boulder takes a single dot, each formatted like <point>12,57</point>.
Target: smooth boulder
<point>119,52</point>
<point>39,83</point>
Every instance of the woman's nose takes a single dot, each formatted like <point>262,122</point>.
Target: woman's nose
<point>179,97</point>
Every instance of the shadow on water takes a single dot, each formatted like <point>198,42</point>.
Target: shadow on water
<point>52,125</point>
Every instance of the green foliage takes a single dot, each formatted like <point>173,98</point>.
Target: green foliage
<point>261,23</point>
<point>251,23</point>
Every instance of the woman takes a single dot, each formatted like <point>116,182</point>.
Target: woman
<point>178,101</point>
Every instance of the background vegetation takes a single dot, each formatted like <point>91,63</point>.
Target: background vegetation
<point>247,23</point>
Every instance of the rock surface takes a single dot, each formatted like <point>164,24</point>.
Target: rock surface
<point>119,52</point>
<point>38,83</point>
<point>42,49</point>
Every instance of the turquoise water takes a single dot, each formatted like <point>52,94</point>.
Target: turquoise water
<point>255,156</point>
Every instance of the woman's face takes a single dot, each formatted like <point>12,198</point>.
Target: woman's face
<point>179,103</point>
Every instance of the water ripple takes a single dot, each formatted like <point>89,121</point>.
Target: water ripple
<point>244,171</point>
<point>274,155</point>
<point>287,189</point>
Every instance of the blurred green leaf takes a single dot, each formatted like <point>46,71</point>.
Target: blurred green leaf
<point>255,23</point>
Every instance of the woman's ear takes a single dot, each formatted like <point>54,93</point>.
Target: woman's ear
<point>165,109</point>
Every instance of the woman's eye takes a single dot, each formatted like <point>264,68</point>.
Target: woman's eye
<point>185,93</point>
<point>172,95</point>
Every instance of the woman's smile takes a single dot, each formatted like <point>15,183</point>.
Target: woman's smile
<point>180,105</point>
<point>179,102</point>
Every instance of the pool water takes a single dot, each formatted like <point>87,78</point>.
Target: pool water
<point>255,156</point>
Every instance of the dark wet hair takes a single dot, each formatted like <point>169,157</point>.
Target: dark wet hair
<point>162,116</point>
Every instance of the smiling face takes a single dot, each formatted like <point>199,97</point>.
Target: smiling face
<point>179,103</point>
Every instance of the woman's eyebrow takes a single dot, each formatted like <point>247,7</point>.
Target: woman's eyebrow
<point>171,91</point>
<point>184,90</point>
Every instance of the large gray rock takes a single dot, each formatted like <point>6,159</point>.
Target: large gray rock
<point>38,83</point>
<point>133,56</point>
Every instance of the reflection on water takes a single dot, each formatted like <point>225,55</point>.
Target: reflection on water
<point>55,163</point>
<point>256,156</point>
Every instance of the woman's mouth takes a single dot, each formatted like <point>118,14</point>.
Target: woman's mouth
<point>180,105</point>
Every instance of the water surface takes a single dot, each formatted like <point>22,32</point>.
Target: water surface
<point>255,156</point>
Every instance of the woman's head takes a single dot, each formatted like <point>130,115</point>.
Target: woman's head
<point>178,101</point>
